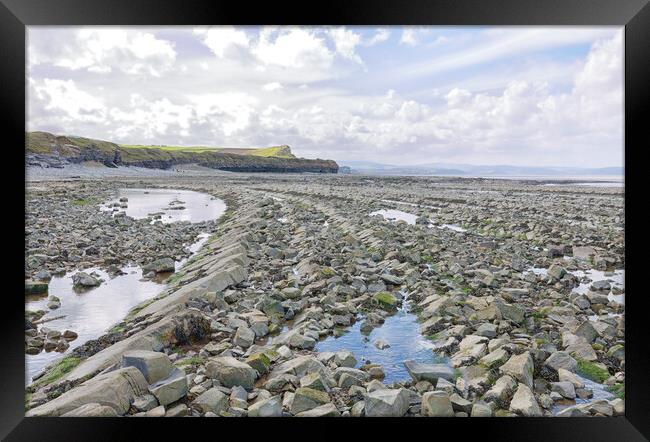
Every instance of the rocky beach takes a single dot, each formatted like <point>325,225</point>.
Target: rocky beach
<point>326,295</point>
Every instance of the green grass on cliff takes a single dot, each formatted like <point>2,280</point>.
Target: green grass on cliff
<point>192,149</point>
<point>274,152</point>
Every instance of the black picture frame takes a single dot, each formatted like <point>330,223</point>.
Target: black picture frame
<point>15,15</point>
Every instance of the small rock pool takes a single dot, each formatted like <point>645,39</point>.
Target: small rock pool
<point>167,205</point>
<point>401,331</point>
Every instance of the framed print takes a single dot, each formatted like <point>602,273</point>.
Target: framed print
<point>357,210</point>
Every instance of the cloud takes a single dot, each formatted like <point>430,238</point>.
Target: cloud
<point>346,41</point>
<point>512,96</point>
<point>66,99</point>
<point>270,87</point>
<point>292,48</point>
<point>102,50</point>
<point>220,39</point>
<point>380,36</point>
<point>412,36</point>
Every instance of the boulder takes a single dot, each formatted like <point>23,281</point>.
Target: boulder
<point>524,403</point>
<point>82,279</point>
<point>170,389</point>
<point>231,372</point>
<point>565,388</point>
<point>429,372</point>
<point>437,404</point>
<point>91,410</point>
<point>520,367</point>
<point>154,365</point>
<point>387,403</point>
<point>561,359</point>
<point>307,398</point>
<point>244,337</point>
<point>162,265</point>
<point>501,390</point>
<point>116,389</point>
<point>212,400</point>
<point>326,410</point>
<point>271,407</point>
<point>345,359</point>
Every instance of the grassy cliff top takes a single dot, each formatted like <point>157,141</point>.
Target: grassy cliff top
<point>47,143</point>
<point>277,151</point>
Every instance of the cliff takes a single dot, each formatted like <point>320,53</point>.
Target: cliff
<point>55,150</point>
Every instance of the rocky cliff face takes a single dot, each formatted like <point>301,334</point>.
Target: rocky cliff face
<point>46,149</point>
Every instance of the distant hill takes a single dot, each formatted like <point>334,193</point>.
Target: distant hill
<point>43,148</point>
<point>453,169</point>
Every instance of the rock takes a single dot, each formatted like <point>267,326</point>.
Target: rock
<point>162,265</point>
<point>429,372</point>
<point>391,279</point>
<point>520,367</point>
<point>437,404</point>
<point>555,271</point>
<point>481,409</point>
<point>179,410</point>
<point>567,376</point>
<point>494,359</point>
<point>565,388</point>
<point>212,400</point>
<point>524,403</point>
<point>271,407</point>
<point>238,397</point>
<point>618,406</point>
<point>314,381</point>
<point>92,410</point>
<point>170,389</point>
<point>345,359</point>
<point>69,335</point>
<point>290,293</point>
<point>587,331</point>
<point>358,409</point>
<point>259,361</point>
<point>381,344</point>
<point>307,398</point>
<point>159,411</point>
<point>299,366</point>
<point>244,337</point>
<point>35,287</point>
<point>487,329</point>
<point>387,403</point>
<point>231,372</point>
<point>561,359</point>
<point>116,389</point>
<point>302,342</point>
<point>385,300</point>
<point>145,402</point>
<point>459,403</point>
<point>326,410</point>
<point>155,366</point>
<point>82,279</point>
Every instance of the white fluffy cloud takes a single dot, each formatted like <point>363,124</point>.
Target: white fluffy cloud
<point>101,50</point>
<point>64,98</point>
<point>314,89</point>
<point>222,38</point>
<point>346,41</point>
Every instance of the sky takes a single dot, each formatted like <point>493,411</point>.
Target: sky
<point>525,96</point>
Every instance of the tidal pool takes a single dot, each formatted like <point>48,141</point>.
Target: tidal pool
<point>401,331</point>
<point>171,205</point>
<point>89,313</point>
<point>92,312</point>
<point>396,215</point>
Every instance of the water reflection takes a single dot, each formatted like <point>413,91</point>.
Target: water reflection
<point>401,331</point>
<point>170,205</point>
